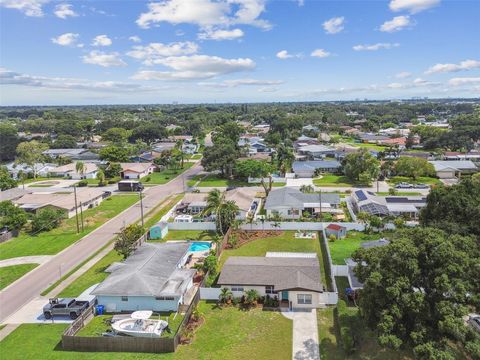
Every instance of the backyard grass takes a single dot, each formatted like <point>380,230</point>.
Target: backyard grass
<point>8,274</point>
<point>52,242</point>
<point>227,333</point>
<point>199,235</point>
<point>421,180</point>
<point>164,176</point>
<point>333,180</point>
<point>342,249</point>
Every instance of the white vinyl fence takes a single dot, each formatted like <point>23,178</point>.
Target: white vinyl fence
<point>297,225</point>
<point>340,270</point>
<point>209,293</point>
<point>210,226</point>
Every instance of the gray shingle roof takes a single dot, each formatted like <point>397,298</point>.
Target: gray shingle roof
<point>315,164</point>
<point>283,273</point>
<point>152,270</point>
<point>288,196</point>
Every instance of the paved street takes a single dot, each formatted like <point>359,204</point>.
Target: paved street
<point>33,283</point>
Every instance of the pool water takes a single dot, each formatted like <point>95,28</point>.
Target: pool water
<point>200,246</point>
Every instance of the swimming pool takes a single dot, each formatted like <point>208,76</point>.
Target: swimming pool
<point>200,246</point>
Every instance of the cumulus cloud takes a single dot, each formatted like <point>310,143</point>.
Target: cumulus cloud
<point>334,25</point>
<point>284,54</point>
<point>210,34</point>
<point>403,75</point>
<point>28,7</point>
<point>135,39</point>
<point>396,24</point>
<point>413,6</point>
<point>64,11</point>
<point>8,77</point>
<point>101,40</point>
<point>320,53</point>
<point>241,82</point>
<point>195,67</point>
<point>446,68</point>
<point>153,53</point>
<point>103,59</point>
<point>458,81</point>
<point>375,47</point>
<point>67,39</point>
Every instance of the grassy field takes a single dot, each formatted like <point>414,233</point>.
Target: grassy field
<point>284,242</point>
<point>421,180</point>
<point>333,180</point>
<point>214,180</point>
<point>190,235</point>
<point>52,242</point>
<point>8,274</point>
<point>343,248</point>
<point>227,333</point>
<point>164,176</point>
<point>165,208</point>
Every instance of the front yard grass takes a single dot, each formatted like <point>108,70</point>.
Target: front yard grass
<point>342,249</point>
<point>227,333</point>
<point>420,180</point>
<point>333,180</point>
<point>54,241</point>
<point>164,176</point>
<point>8,274</point>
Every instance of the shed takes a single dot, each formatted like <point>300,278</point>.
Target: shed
<point>338,231</point>
<point>158,231</point>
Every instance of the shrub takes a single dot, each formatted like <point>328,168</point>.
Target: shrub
<point>232,241</point>
<point>47,219</point>
<point>82,183</point>
<point>148,178</point>
<point>332,238</point>
<point>112,181</point>
<point>346,334</point>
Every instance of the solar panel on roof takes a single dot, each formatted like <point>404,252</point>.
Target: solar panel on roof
<point>360,195</point>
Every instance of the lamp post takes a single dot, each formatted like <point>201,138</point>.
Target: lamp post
<point>76,207</point>
<point>141,202</point>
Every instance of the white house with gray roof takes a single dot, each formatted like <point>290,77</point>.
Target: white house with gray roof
<point>306,169</point>
<point>152,278</point>
<point>450,169</point>
<point>289,203</point>
<point>294,280</point>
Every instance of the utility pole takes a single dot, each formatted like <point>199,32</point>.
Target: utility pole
<point>81,214</point>
<point>141,204</point>
<point>76,208</point>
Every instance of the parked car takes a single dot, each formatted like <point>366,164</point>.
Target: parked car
<point>65,307</point>
<point>403,185</point>
<point>474,322</point>
<point>421,186</point>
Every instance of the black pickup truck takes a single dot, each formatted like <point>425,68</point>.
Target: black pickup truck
<point>65,307</point>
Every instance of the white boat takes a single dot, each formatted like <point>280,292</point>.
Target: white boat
<point>140,325</point>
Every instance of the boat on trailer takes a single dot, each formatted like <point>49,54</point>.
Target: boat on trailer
<point>140,325</point>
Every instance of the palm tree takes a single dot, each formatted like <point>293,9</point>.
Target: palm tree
<point>80,167</point>
<point>101,177</point>
<point>285,157</point>
<point>225,296</point>
<point>251,297</point>
<point>226,215</point>
<point>307,189</point>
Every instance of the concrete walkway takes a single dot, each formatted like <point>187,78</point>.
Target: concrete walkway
<point>305,334</point>
<point>38,259</point>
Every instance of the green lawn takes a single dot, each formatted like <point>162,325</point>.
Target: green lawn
<point>164,176</point>
<point>165,208</point>
<point>40,185</point>
<point>421,180</point>
<point>343,248</point>
<point>190,235</point>
<point>8,274</point>
<point>214,180</point>
<point>400,193</point>
<point>333,180</point>
<point>196,156</point>
<point>227,333</point>
<point>52,242</point>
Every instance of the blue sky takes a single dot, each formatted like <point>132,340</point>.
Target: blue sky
<point>111,52</point>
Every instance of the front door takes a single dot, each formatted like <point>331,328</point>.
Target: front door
<point>285,295</point>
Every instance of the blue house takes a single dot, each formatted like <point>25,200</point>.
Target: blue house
<point>158,231</point>
<point>152,278</point>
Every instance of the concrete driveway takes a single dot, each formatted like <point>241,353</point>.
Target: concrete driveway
<point>305,334</point>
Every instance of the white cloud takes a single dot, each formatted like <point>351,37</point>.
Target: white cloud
<point>103,59</point>
<point>413,6</point>
<point>375,47</point>
<point>320,53</point>
<point>195,67</point>
<point>154,52</point>
<point>334,25</point>
<point>403,75</point>
<point>284,54</point>
<point>268,89</point>
<point>8,77</point>
<point>28,7</point>
<point>241,82</point>
<point>446,68</point>
<point>101,40</point>
<point>210,34</point>
<point>396,24</point>
<point>67,39</point>
<point>458,81</point>
<point>135,39</point>
<point>64,10</point>
<point>300,2</point>
<point>205,13</point>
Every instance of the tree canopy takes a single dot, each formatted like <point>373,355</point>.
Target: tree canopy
<point>413,167</point>
<point>361,166</point>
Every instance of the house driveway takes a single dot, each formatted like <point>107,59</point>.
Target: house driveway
<point>305,334</point>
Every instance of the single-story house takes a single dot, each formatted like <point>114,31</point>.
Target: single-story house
<point>306,169</point>
<point>73,154</point>
<point>372,138</point>
<point>70,171</point>
<point>13,194</point>
<point>40,169</point>
<point>338,231</point>
<point>316,151</point>
<point>152,278</point>
<point>367,201</point>
<point>147,156</point>
<point>449,169</point>
<point>86,198</point>
<point>454,155</point>
<point>136,170</point>
<point>193,203</point>
<point>189,148</point>
<point>295,281</point>
<point>289,203</point>
<point>245,200</point>
<point>163,145</point>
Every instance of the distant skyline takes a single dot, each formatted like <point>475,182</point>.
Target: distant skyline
<point>205,51</point>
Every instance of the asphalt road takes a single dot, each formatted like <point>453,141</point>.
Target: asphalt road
<point>33,283</point>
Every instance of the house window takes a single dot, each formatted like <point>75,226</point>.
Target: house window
<point>305,299</point>
<point>124,298</point>
<point>269,290</point>
<point>237,288</point>
<point>166,298</point>
<point>293,212</point>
